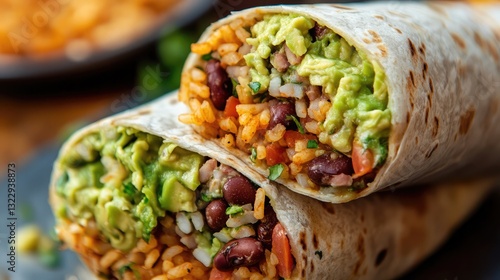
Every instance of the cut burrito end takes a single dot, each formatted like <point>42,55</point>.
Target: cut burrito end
<point>298,98</point>
<point>134,207</point>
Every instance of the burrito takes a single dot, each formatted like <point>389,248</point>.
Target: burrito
<point>337,102</point>
<point>141,196</point>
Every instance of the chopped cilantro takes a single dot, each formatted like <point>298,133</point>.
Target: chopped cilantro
<point>297,123</point>
<point>312,144</point>
<point>235,209</point>
<point>319,254</point>
<point>129,189</point>
<point>206,197</point>
<point>234,82</point>
<point>126,268</point>
<point>207,56</point>
<point>275,171</point>
<point>255,86</point>
<point>253,156</point>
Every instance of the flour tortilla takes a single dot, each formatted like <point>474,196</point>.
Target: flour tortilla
<point>442,62</point>
<point>377,237</point>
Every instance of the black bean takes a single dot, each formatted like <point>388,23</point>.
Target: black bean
<point>238,191</point>
<point>239,252</point>
<point>266,226</point>
<point>216,214</point>
<point>322,168</point>
<point>219,83</point>
<point>279,113</point>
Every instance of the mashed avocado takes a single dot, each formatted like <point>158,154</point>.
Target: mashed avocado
<point>355,86</point>
<point>125,180</point>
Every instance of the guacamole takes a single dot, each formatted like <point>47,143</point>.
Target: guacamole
<point>354,84</point>
<point>125,180</point>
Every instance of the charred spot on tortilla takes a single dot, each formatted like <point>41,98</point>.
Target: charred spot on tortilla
<point>412,78</point>
<point>383,50</point>
<point>319,253</point>
<point>360,249</point>
<point>431,151</point>
<point>421,49</point>
<point>329,207</point>
<point>431,85</point>
<point>375,36</point>
<point>379,17</point>
<point>341,7</point>
<point>413,51</point>
<point>380,257</point>
<point>466,121</point>
<point>424,70</point>
<point>303,241</point>
<point>480,41</point>
<point>426,114</point>
<point>458,40</point>
<point>315,241</point>
<point>435,128</point>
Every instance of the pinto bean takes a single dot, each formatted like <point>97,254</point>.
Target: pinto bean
<point>279,112</point>
<point>239,252</point>
<point>323,167</point>
<point>238,191</point>
<point>216,214</point>
<point>219,83</point>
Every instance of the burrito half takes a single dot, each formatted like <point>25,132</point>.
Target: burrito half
<point>336,102</point>
<point>139,196</point>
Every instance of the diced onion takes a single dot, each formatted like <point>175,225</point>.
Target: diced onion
<point>183,223</point>
<point>203,256</point>
<point>274,86</point>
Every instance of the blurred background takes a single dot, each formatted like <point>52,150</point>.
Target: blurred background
<point>66,63</point>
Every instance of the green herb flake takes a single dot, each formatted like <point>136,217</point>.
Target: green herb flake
<point>207,56</point>
<point>235,83</point>
<point>275,171</point>
<point>312,144</point>
<point>297,123</point>
<point>206,197</point>
<point>123,269</point>
<point>233,210</point>
<point>129,189</point>
<point>319,254</point>
<point>253,156</point>
<point>255,86</point>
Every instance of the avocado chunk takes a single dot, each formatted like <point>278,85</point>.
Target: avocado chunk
<point>175,197</point>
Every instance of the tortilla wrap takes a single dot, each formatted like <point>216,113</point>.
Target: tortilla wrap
<point>378,237</point>
<point>441,63</point>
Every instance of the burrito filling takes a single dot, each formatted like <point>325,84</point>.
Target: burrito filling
<point>138,205</point>
<point>291,92</point>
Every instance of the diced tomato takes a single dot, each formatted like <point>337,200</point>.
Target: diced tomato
<point>281,248</point>
<point>276,154</point>
<point>362,160</point>
<point>292,136</point>
<point>216,274</point>
<point>230,109</point>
